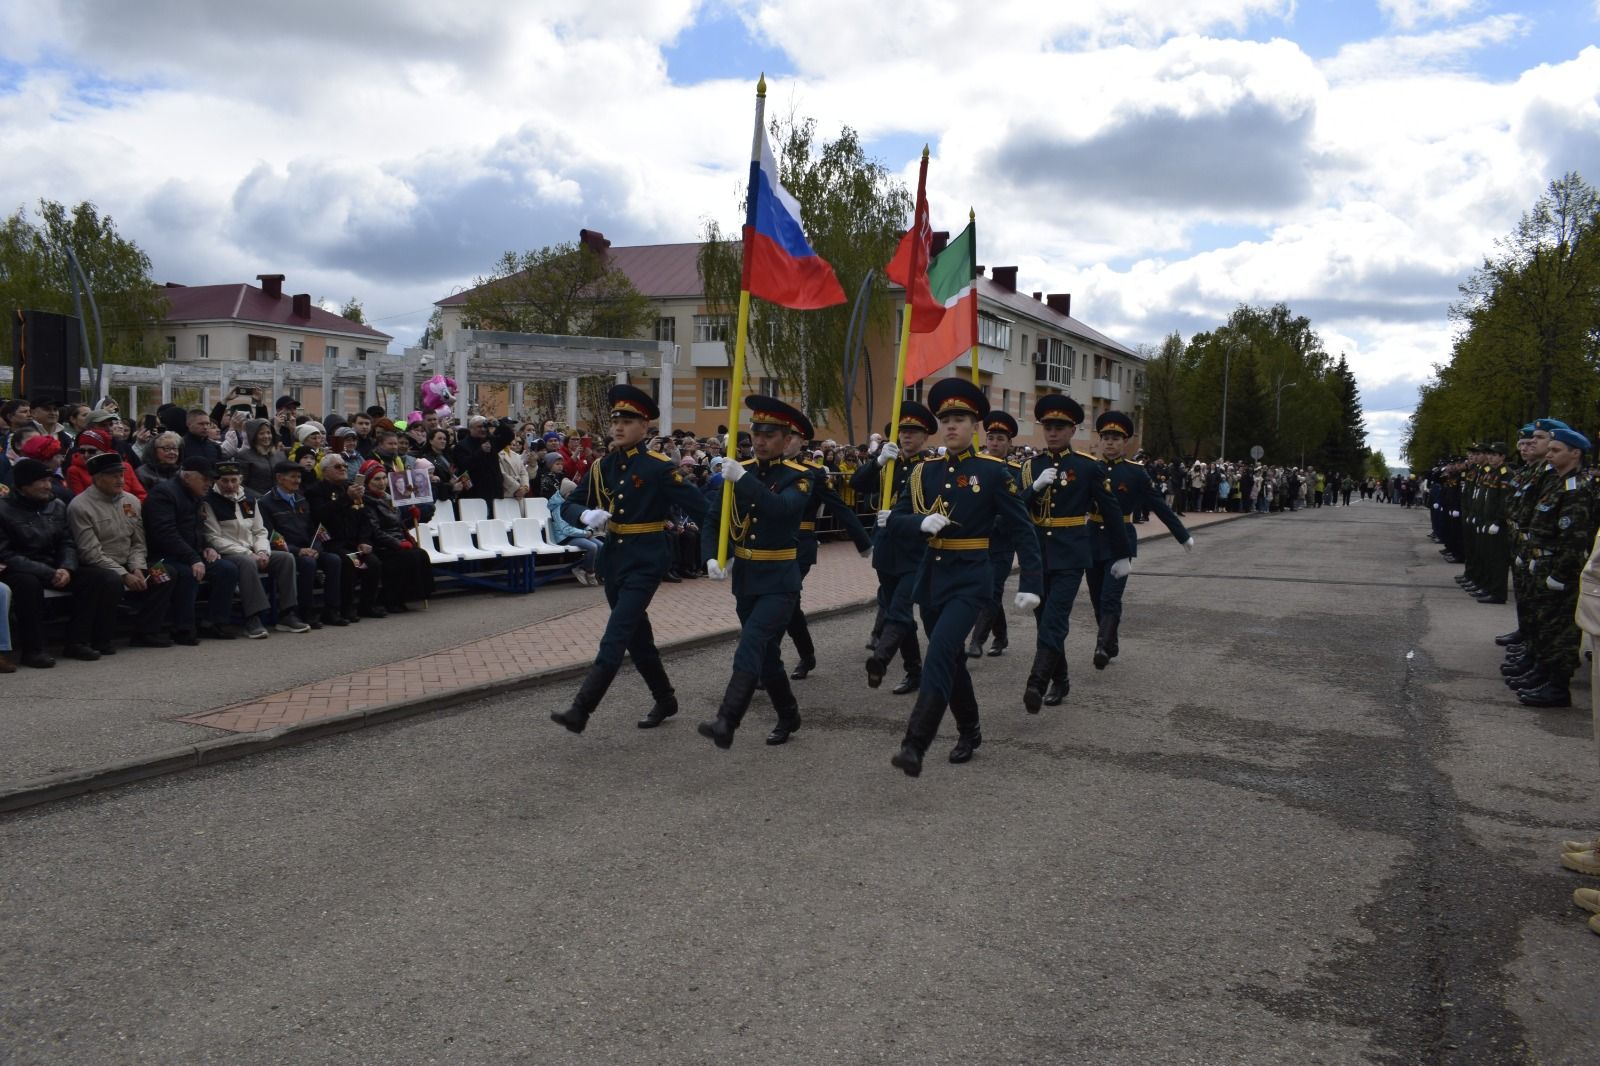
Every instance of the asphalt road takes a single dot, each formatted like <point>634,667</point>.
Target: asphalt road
<point>1297,821</point>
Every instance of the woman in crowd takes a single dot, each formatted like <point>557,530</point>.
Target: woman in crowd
<point>161,461</point>
<point>442,476</point>
<point>513,471</point>
<point>407,574</point>
<point>257,457</point>
<point>90,443</point>
<point>568,535</point>
<point>341,511</point>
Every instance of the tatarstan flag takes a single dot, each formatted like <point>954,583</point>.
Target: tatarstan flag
<point>952,278</point>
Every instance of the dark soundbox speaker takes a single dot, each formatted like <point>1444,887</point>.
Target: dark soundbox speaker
<point>45,356</point>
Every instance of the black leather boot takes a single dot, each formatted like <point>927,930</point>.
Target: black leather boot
<point>1059,685</point>
<point>1552,693</point>
<point>883,650</point>
<point>666,700</point>
<point>969,735</point>
<point>788,709</point>
<point>1516,667</point>
<point>980,631</point>
<point>735,701</point>
<point>1102,640</point>
<point>594,686</point>
<point>1111,645</point>
<point>911,655</point>
<point>1039,675</point>
<point>1513,637</point>
<point>1000,643</point>
<point>805,649</point>
<point>1530,680</point>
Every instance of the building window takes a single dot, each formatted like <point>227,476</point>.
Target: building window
<point>297,352</point>
<point>715,395</point>
<point>202,345</point>
<point>667,329</point>
<point>172,348</point>
<point>914,392</point>
<point>711,328</point>
<point>330,353</point>
<point>1005,400</point>
<point>767,387</point>
<point>994,332</point>
<point>1053,362</point>
<point>295,391</point>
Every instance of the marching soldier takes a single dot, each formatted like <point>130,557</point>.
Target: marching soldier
<point>769,499</point>
<point>896,556</point>
<point>1135,492</point>
<point>625,497</point>
<point>1000,429</point>
<point>821,493</point>
<point>956,503</point>
<point>1061,487</point>
<point>1560,535</point>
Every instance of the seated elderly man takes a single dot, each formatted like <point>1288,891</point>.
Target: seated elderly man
<point>293,529</point>
<point>37,552</point>
<point>108,529</point>
<point>175,537</point>
<point>235,530</point>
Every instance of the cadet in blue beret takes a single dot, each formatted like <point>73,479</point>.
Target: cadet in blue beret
<point>769,495</point>
<point>1134,491</point>
<point>822,493</point>
<point>999,430</point>
<point>955,503</point>
<point>1061,488</point>
<point>625,497</point>
<point>896,557</point>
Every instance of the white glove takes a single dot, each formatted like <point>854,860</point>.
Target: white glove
<point>1188,545</point>
<point>1493,529</point>
<point>1121,568</point>
<point>715,572</point>
<point>933,523</point>
<point>1026,601</point>
<point>1552,583</point>
<point>890,451</point>
<point>1516,561</point>
<point>1455,514</point>
<point>595,519</point>
<point>732,472</point>
<point>883,517</point>
<point>1046,477</point>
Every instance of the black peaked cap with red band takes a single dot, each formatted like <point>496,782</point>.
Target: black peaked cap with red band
<point>631,402</point>
<point>957,396</point>
<point>766,411</point>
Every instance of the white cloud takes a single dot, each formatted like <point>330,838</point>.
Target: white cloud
<point>1409,13</point>
<point>1387,57</point>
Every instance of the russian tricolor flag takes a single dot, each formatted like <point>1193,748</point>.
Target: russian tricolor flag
<point>779,263</point>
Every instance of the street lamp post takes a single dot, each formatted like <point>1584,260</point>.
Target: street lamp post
<point>1277,414</point>
<point>1222,448</point>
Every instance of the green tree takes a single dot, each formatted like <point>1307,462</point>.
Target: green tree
<point>1377,466</point>
<point>34,276</point>
<point>563,290</point>
<point>854,212</point>
<point>353,312</point>
<point>433,332</point>
<point>1165,427</point>
<point>1344,449</point>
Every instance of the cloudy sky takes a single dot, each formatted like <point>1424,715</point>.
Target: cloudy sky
<point>1162,160</point>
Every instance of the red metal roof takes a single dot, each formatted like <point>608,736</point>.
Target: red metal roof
<point>659,271</point>
<point>248,304</point>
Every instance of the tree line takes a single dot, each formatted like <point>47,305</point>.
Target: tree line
<point>1528,339</point>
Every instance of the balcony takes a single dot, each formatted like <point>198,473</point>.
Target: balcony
<point>1106,389</point>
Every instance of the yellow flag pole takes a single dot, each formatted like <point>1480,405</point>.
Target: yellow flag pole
<point>735,391</point>
<point>972,218</point>
<point>736,386</point>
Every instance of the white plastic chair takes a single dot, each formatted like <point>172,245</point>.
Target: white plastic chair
<point>491,534</point>
<point>508,511</point>
<point>444,511</point>
<point>472,510</point>
<point>536,507</point>
<point>435,556</point>
<point>456,538</point>
<point>528,533</point>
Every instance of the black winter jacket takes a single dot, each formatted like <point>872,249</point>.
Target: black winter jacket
<point>34,537</point>
<point>174,523</point>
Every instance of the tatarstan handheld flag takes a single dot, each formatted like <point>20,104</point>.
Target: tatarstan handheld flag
<point>779,263</point>
<point>952,284</point>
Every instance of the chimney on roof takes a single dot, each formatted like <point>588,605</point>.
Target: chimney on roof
<point>1006,277</point>
<point>174,285</point>
<point>980,270</point>
<point>1039,296</point>
<point>1060,302</point>
<point>302,305</point>
<point>941,237</point>
<point>594,240</point>
<point>272,285</point>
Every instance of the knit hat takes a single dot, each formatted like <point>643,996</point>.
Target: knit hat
<point>27,471</point>
<point>567,487</point>
<point>95,438</point>
<point>41,448</point>
<point>304,432</point>
<point>370,467</point>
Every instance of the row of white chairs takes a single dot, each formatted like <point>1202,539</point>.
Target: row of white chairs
<point>472,511</point>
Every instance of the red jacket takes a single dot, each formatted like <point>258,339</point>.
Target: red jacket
<point>78,478</point>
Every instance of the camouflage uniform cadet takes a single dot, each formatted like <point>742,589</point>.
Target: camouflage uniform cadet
<point>1560,536</point>
<point>1520,496</point>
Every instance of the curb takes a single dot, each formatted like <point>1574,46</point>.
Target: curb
<point>226,749</point>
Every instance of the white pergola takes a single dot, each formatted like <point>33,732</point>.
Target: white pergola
<point>471,357</point>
